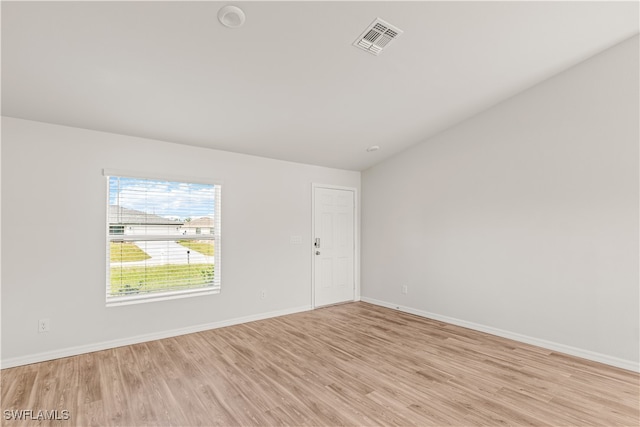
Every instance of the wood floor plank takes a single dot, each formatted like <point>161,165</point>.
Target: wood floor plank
<point>117,410</point>
<point>351,364</point>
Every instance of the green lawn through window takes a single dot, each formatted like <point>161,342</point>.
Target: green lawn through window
<point>126,252</point>
<point>142,279</point>
<point>205,248</point>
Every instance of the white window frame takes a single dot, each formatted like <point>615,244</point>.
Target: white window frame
<point>167,295</point>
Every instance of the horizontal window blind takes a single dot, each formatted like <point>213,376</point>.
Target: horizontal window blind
<point>163,238</point>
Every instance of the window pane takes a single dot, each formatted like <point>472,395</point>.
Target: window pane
<point>143,267</point>
<point>153,246</point>
<point>149,201</point>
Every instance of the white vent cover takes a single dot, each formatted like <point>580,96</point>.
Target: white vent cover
<point>377,36</point>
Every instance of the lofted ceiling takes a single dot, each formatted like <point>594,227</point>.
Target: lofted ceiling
<point>289,84</point>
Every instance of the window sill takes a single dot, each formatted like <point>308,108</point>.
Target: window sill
<point>141,299</point>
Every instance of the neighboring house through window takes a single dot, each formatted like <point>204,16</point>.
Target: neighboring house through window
<point>203,225</point>
<point>156,247</point>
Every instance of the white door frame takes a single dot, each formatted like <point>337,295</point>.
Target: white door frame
<point>356,239</point>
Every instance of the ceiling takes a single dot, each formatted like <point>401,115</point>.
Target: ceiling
<point>289,84</point>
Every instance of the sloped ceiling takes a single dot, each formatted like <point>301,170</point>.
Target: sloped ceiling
<point>289,84</point>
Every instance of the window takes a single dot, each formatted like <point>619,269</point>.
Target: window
<point>116,229</point>
<point>151,253</point>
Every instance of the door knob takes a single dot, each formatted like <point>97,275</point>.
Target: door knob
<point>317,252</point>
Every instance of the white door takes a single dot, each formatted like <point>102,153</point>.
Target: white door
<point>333,246</point>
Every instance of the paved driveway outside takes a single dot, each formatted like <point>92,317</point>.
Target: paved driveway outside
<point>168,253</point>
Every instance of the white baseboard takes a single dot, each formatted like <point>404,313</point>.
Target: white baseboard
<point>73,351</point>
<point>550,345</point>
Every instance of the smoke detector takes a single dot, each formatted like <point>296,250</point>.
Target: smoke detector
<point>231,16</point>
<point>377,37</point>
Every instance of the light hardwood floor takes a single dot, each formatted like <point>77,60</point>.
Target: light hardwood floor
<point>352,364</point>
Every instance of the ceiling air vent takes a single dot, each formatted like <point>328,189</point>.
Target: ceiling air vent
<point>377,36</point>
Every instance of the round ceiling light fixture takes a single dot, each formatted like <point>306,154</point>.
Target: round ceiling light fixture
<point>373,148</point>
<point>231,16</point>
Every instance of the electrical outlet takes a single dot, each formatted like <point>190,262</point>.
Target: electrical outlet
<point>44,325</point>
<point>263,294</point>
<point>405,289</point>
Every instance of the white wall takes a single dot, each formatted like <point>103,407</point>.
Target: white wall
<point>522,220</point>
<point>53,238</point>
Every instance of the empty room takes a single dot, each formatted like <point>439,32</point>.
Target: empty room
<point>300,213</point>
